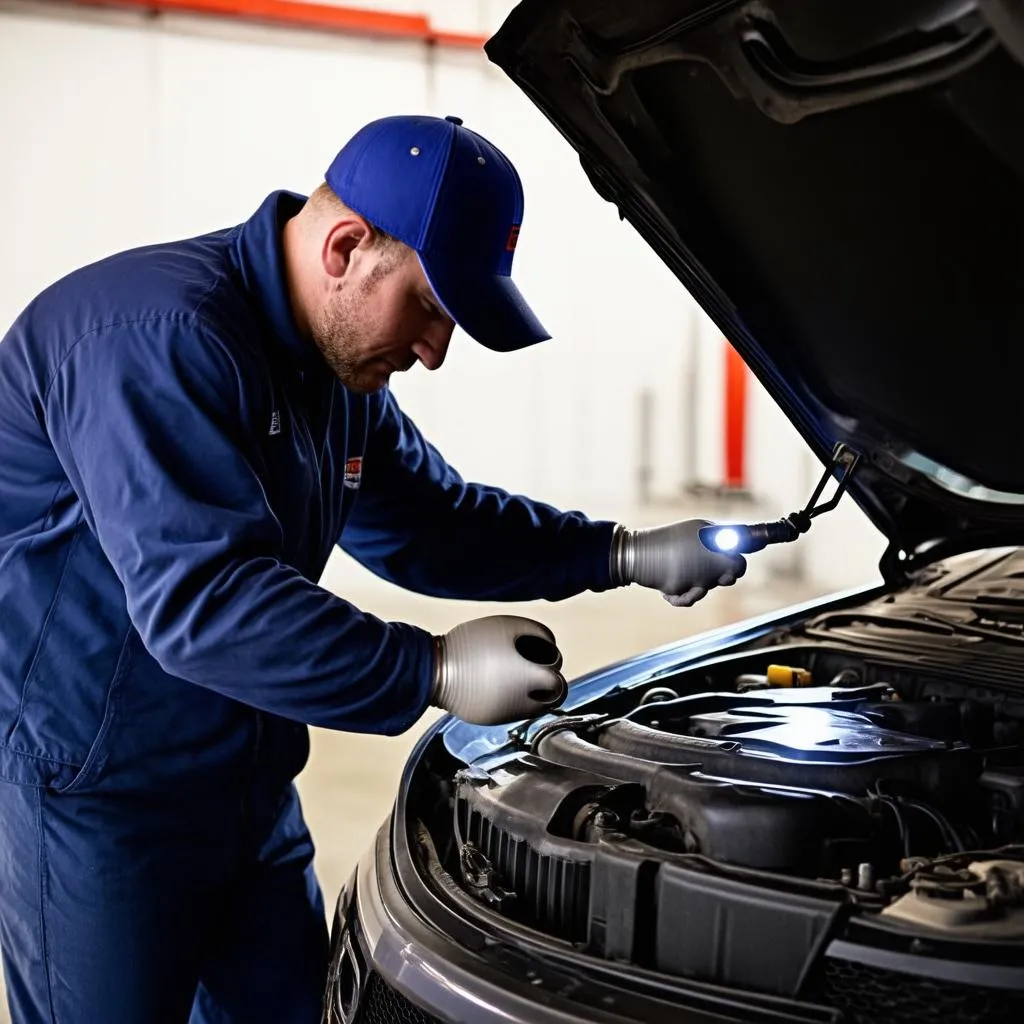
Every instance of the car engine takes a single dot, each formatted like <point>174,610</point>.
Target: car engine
<point>907,798</point>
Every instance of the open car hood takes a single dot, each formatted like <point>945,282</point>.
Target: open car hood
<point>841,187</point>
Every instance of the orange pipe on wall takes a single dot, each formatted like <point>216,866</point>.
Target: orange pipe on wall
<point>301,14</point>
<point>735,420</point>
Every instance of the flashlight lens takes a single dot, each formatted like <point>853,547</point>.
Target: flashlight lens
<point>727,539</point>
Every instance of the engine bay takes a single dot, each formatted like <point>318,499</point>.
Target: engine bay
<point>890,794</point>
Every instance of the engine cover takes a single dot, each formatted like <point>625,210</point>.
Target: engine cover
<point>820,737</point>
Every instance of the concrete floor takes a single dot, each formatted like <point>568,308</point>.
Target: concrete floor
<point>349,784</point>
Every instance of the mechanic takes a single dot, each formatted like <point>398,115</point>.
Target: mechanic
<point>187,429</point>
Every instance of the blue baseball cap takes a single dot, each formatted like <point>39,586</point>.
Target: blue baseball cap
<point>456,200</point>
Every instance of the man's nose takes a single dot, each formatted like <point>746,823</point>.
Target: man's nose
<point>432,347</point>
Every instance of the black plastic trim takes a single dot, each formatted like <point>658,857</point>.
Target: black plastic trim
<point>964,972</point>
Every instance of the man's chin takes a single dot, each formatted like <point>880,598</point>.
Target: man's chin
<point>367,382</point>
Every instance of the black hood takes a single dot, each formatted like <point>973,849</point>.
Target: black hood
<point>840,185</point>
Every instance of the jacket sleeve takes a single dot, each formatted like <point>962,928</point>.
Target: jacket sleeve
<point>417,523</point>
<point>149,423</point>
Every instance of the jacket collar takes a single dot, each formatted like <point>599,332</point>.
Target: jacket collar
<point>261,260</point>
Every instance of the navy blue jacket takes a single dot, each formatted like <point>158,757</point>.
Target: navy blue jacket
<point>176,463</point>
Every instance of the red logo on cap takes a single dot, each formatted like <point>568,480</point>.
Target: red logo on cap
<point>513,237</point>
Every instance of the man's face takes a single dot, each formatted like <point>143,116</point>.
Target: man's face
<point>382,317</point>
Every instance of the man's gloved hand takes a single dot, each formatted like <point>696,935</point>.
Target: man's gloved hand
<point>498,669</point>
<point>672,559</point>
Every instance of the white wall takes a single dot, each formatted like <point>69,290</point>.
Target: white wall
<point>119,130</point>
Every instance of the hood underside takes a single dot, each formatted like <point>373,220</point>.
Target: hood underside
<point>841,187</point>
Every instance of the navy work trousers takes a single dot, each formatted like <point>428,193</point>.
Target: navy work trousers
<point>143,908</point>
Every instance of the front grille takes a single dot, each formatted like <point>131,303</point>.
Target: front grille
<point>872,995</point>
<point>381,1004</point>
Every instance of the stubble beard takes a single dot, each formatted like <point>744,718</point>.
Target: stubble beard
<point>343,335</point>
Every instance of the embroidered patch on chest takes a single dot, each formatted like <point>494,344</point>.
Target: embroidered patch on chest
<point>354,473</point>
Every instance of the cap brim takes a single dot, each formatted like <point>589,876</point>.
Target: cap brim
<point>488,307</point>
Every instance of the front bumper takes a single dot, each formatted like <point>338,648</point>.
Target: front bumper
<point>390,965</point>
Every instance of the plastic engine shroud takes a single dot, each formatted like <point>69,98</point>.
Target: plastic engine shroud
<point>815,724</point>
<point>770,780</point>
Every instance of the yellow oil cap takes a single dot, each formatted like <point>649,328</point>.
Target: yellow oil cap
<point>786,675</point>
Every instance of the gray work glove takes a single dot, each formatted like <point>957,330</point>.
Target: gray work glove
<point>498,669</point>
<point>672,559</point>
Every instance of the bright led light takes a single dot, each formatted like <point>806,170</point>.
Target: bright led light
<point>727,539</point>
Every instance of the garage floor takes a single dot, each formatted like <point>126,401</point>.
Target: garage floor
<point>349,783</point>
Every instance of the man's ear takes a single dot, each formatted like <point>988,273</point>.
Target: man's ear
<point>342,244</point>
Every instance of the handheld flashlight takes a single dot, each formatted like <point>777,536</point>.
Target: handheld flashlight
<point>745,539</point>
